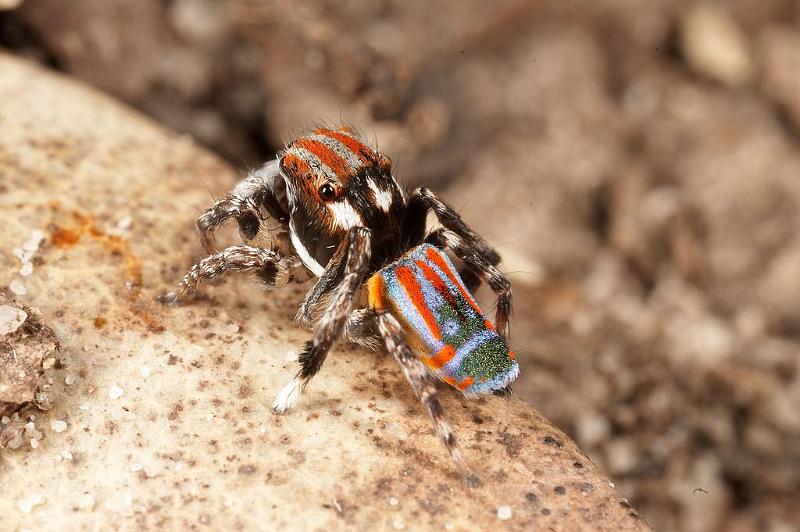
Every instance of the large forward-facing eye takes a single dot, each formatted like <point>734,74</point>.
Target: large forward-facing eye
<point>327,192</point>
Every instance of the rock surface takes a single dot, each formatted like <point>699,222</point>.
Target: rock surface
<point>162,417</point>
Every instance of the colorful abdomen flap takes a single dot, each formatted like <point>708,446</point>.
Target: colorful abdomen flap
<point>443,321</point>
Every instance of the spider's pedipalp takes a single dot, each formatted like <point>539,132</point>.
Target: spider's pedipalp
<point>332,322</point>
<point>423,385</point>
<point>243,204</point>
<point>270,268</point>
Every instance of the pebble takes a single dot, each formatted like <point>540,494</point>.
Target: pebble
<point>27,269</point>
<point>86,502</point>
<point>58,426</point>
<point>393,501</point>
<point>504,513</point>
<point>27,505</point>
<point>11,318</point>
<point>115,392</point>
<point>17,287</point>
<point>715,45</point>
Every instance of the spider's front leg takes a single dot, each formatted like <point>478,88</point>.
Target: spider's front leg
<point>243,204</point>
<point>423,385</point>
<point>332,322</point>
<point>270,268</point>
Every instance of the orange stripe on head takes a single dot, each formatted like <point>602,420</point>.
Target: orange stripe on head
<point>295,164</point>
<point>434,257</point>
<point>414,292</point>
<point>444,356</point>
<point>359,149</point>
<point>327,156</point>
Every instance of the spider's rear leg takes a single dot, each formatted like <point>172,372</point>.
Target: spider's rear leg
<point>243,204</point>
<point>423,385</point>
<point>423,199</point>
<point>270,268</point>
<point>483,267</point>
<point>333,320</point>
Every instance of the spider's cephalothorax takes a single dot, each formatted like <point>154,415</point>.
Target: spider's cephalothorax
<point>330,205</point>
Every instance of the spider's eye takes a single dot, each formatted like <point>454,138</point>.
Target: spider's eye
<point>327,192</point>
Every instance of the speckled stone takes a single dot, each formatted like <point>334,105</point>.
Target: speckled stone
<point>73,163</point>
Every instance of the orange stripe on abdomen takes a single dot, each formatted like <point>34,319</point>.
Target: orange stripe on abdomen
<point>414,292</point>
<point>437,260</point>
<point>444,356</point>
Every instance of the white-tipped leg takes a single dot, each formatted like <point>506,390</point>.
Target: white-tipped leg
<point>288,395</point>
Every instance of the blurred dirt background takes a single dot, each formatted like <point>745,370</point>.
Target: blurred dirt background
<point>637,162</point>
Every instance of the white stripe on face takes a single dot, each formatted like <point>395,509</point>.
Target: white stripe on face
<point>383,198</point>
<point>344,215</point>
<point>302,252</point>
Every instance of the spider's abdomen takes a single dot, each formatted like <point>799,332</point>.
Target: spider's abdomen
<point>443,322</point>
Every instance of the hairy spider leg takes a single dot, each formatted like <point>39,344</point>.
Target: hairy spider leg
<point>332,322</point>
<point>268,266</point>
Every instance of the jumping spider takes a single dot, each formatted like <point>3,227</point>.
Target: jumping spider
<point>329,205</point>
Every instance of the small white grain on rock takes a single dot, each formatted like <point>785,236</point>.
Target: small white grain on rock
<point>115,392</point>
<point>66,455</point>
<point>291,356</point>
<point>124,223</point>
<point>26,269</point>
<point>136,467</point>
<point>398,524</point>
<point>393,501</point>
<point>34,443</point>
<point>504,513</point>
<point>715,45</point>
<point>70,379</point>
<point>152,470</point>
<point>11,318</point>
<point>232,328</point>
<point>58,425</point>
<point>5,420</point>
<point>145,371</point>
<point>86,502</point>
<point>17,287</point>
<point>27,505</point>
<point>84,407</point>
